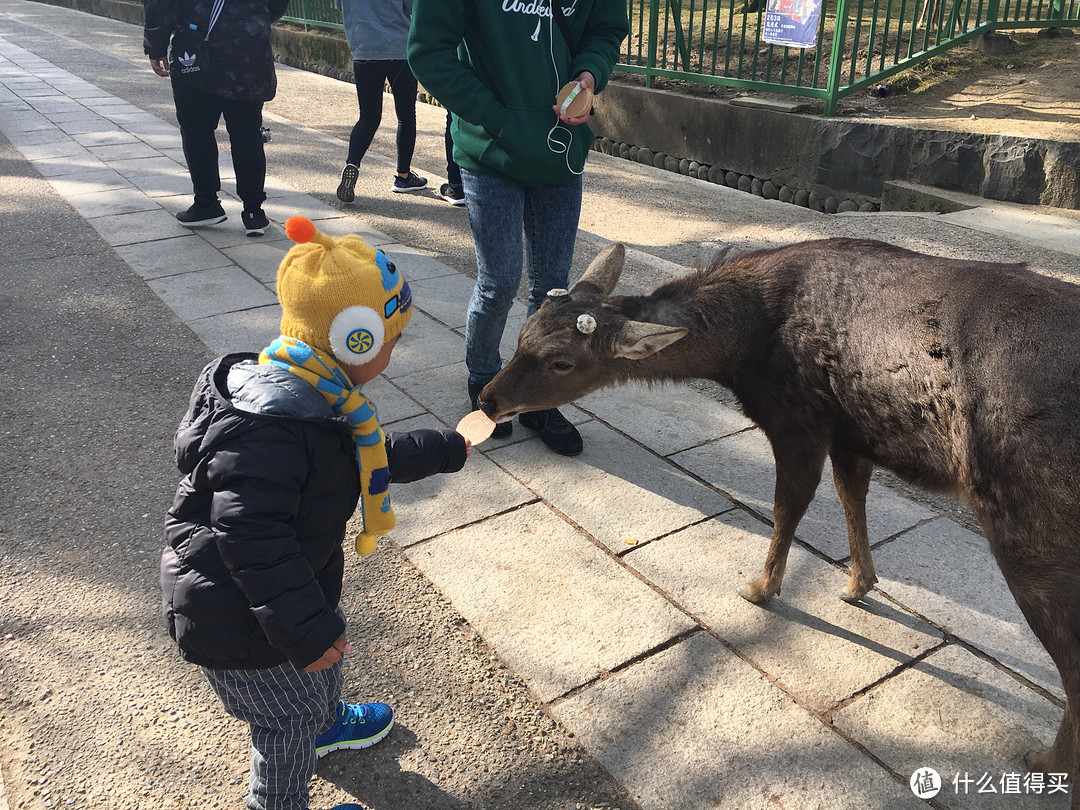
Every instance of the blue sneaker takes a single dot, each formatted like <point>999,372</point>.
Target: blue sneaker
<point>356,727</point>
<point>411,182</point>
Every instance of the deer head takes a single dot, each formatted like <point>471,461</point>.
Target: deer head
<point>577,342</point>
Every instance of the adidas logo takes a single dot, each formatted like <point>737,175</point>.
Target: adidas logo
<point>187,62</point>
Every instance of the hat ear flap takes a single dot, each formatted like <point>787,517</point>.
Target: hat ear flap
<point>356,335</point>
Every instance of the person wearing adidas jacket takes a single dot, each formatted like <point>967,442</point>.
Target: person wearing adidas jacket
<point>243,78</point>
<point>497,66</point>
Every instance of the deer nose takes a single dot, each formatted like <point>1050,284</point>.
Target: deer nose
<point>486,405</point>
<point>485,402</point>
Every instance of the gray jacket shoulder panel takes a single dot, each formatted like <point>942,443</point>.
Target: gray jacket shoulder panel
<point>274,391</point>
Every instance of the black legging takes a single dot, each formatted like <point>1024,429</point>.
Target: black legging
<point>370,76</point>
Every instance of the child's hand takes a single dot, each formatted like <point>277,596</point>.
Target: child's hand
<point>468,448</point>
<point>331,656</point>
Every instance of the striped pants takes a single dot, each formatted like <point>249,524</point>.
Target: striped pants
<point>287,708</point>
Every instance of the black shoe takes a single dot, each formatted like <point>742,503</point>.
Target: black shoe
<point>502,429</point>
<point>255,222</point>
<point>555,431</point>
<point>452,193</point>
<point>346,188</point>
<point>198,216</point>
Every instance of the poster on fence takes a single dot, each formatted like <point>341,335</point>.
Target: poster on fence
<point>791,22</point>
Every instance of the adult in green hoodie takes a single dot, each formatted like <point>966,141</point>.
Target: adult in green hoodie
<point>497,66</point>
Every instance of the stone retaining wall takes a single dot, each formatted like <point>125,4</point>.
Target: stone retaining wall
<point>816,161</point>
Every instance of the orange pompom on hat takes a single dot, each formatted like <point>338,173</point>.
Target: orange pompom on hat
<point>340,295</point>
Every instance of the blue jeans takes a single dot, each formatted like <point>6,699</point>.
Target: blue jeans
<point>505,218</point>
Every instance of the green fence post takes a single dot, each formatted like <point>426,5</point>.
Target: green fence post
<point>654,40</point>
<point>837,57</point>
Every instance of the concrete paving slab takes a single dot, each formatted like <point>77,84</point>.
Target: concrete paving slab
<point>113,137</point>
<point>110,202</point>
<point>140,226</point>
<point>742,466</point>
<point>76,163</point>
<point>204,293</point>
<point>58,104</point>
<point>147,164</point>
<point>248,330</point>
<point>441,391</point>
<point>818,648</point>
<point>54,149</point>
<point>28,120</point>
<point>435,505</point>
<point>560,611</point>
<point>335,223</point>
<point>415,264</point>
<point>426,344</point>
<point>122,151</point>
<point>85,121</point>
<point>947,574</point>
<point>33,137</point>
<point>158,183</point>
<point>963,717</point>
<point>393,404</point>
<point>103,179</point>
<point>281,208</point>
<point>169,257</point>
<point>1059,230</point>
<point>694,727</point>
<point>615,490</point>
<point>261,256</point>
<point>667,418</point>
<point>227,234</point>
<point>445,298</point>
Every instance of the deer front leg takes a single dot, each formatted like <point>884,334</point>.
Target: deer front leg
<point>851,475</point>
<point>797,477</point>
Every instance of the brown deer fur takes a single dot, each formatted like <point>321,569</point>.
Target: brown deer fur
<point>960,376</point>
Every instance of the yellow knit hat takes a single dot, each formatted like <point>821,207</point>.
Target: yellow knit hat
<point>340,295</point>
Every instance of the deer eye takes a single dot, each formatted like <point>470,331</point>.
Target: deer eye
<point>562,367</point>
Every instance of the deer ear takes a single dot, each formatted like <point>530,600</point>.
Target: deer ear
<point>636,340</point>
<point>603,272</point>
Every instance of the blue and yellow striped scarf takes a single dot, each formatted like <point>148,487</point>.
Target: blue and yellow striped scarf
<point>329,379</point>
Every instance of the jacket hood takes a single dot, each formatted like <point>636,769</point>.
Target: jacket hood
<point>234,391</point>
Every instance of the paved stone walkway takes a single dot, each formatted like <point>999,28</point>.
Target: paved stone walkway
<point>607,581</point>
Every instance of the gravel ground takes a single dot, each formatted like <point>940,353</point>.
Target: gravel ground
<point>96,708</point>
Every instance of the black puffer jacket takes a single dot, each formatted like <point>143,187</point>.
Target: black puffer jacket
<point>239,42</point>
<point>252,568</point>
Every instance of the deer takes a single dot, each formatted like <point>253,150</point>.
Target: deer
<point>962,377</point>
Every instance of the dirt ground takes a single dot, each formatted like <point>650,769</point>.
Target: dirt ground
<point>1034,90</point>
<point>1031,90</point>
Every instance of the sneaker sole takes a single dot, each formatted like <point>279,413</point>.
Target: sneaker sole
<point>202,223</point>
<point>257,231</point>
<point>397,190</point>
<point>453,200</point>
<point>346,189</point>
<point>355,745</point>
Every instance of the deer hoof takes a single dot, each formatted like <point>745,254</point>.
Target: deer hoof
<point>854,591</point>
<point>753,593</point>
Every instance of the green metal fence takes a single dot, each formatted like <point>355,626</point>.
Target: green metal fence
<point>858,44</point>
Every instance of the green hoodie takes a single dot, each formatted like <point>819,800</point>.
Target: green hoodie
<point>498,64</point>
